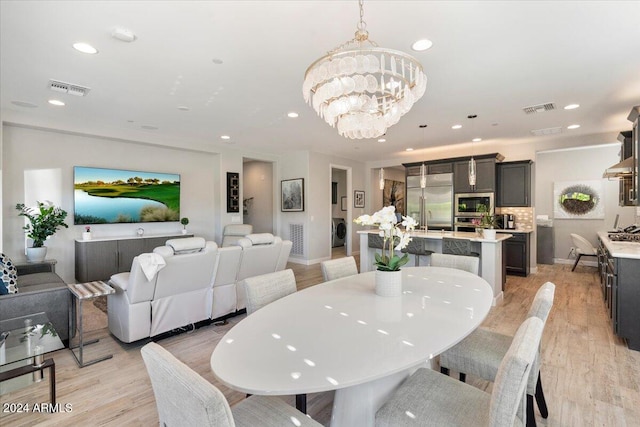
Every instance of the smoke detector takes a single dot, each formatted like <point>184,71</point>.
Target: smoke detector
<point>123,35</point>
<point>70,88</point>
<point>540,108</point>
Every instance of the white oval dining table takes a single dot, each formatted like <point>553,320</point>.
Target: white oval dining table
<point>340,335</point>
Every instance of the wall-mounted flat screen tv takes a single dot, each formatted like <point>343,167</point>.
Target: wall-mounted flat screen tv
<point>110,196</point>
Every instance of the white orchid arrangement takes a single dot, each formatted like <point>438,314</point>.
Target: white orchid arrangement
<point>394,238</point>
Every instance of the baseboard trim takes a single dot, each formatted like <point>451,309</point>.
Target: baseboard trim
<point>583,261</point>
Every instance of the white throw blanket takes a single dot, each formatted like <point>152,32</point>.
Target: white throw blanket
<point>151,264</point>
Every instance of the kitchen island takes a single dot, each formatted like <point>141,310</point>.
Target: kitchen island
<point>619,267</point>
<point>491,260</point>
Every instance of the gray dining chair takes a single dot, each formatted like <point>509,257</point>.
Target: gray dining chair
<point>461,262</point>
<point>266,288</point>
<point>184,398</point>
<point>428,398</point>
<point>338,268</point>
<point>482,351</point>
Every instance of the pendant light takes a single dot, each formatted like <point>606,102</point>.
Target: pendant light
<point>472,161</point>
<point>381,178</point>
<point>423,167</point>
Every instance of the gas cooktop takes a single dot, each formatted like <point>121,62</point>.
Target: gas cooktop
<point>624,237</point>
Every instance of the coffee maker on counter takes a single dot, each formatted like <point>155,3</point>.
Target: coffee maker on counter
<point>507,221</point>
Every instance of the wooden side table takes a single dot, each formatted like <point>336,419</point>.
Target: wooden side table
<point>83,292</point>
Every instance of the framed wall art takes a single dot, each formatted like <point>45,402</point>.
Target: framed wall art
<point>358,199</point>
<point>393,195</point>
<point>233,192</point>
<point>578,200</point>
<point>292,197</point>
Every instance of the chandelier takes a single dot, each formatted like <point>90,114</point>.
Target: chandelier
<point>363,89</point>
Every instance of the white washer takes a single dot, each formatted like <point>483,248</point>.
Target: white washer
<point>338,232</point>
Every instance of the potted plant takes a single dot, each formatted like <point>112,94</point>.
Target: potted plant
<point>184,221</point>
<point>44,221</point>
<point>388,274</point>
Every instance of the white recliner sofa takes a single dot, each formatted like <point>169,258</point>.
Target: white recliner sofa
<point>179,294</point>
<point>262,253</point>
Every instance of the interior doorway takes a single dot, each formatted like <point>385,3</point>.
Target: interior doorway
<point>340,211</point>
<point>257,195</point>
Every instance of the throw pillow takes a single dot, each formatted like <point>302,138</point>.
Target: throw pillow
<point>9,276</point>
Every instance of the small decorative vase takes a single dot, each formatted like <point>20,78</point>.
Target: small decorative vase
<point>490,234</point>
<point>389,283</point>
<point>184,231</point>
<point>86,235</point>
<point>36,254</point>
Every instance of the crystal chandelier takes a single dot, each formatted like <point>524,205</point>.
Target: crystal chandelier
<point>361,88</point>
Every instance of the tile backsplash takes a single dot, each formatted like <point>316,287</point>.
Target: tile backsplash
<point>524,216</point>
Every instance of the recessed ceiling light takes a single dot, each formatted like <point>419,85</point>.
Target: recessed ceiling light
<point>409,149</point>
<point>382,140</point>
<point>476,139</point>
<point>85,48</point>
<point>24,104</point>
<point>183,108</point>
<point>573,126</point>
<point>292,114</point>
<point>456,127</point>
<point>56,102</point>
<point>225,137</point>
<point>571,106</point>
<point>422,45</point>
<point>217,61</point>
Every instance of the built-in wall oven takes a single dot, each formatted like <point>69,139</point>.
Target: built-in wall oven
<point>466,223</point>
<point>473,204</point>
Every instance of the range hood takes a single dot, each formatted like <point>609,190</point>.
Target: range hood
<point>624,168</point>
<point>620,170</point>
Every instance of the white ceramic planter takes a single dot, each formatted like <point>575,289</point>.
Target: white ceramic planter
<point>489,233</point>
<point>389,283</point>
<point>36,254</point>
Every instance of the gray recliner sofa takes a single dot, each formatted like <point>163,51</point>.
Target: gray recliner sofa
<point>40,290</point>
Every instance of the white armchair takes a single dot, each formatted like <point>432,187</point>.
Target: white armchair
<point>224,282</point>
<point>233,232</point>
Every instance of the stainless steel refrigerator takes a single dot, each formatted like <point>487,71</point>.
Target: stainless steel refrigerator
<point>432,206</point>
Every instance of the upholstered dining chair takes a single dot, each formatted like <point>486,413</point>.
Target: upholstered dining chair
<point>428,398</point>
<point>184,398</point>
<point>482,351</point>
<point>266,288</point>
<point>582,248</point>
<point>461,262</point>
<point>339,267</point>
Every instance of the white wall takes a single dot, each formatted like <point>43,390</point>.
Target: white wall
<point>582,164</point>
<point>51,156</point>
<point>257,182</point>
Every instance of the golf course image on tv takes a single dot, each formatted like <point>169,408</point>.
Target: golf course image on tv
<point>109,196</point>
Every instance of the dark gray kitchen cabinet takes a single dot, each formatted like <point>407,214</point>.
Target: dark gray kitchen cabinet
<point>517,254</point>
<point>485,176</point>
<point>513,184</point>
<point>100,259</point>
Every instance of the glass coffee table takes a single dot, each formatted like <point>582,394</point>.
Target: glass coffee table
<point>27,339</point>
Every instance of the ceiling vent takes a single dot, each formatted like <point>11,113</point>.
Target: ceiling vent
<point>71,89</point>
<point>547,131</point>
<point>540,108</point>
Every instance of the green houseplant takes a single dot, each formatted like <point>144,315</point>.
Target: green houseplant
<point>44,221</point>
<point>184,221</point>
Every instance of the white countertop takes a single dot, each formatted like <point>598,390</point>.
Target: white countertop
<point>620,249</point>
<point>502,235</point>
<point>129,237</point>
<point>514,231</point>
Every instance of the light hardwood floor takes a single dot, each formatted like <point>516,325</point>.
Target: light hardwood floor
<point>589,376</point>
